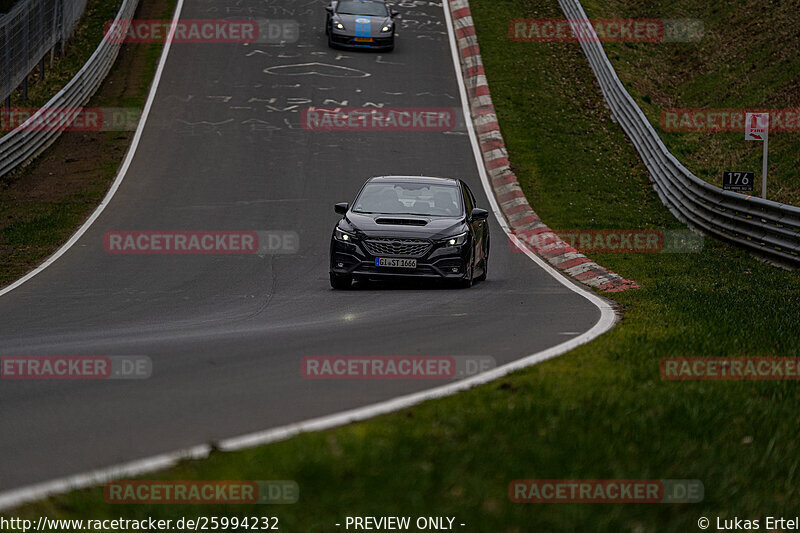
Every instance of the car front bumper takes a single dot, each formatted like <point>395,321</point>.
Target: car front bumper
<point>348,41</point>
<point>439,262</point>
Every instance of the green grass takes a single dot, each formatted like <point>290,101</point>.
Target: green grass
<point>749,57</point>
<point>602,410</point>
<point>32,228</point>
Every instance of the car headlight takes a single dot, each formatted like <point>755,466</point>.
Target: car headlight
<point>456,240</point>
<point>338,25</point>
<point>386,28</point>
<point>343,236</point>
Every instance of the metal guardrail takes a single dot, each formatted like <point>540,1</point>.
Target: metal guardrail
<point>24,143</point>
<point>769,229</point>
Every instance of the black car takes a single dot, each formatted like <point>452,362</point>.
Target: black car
<point>360,24</point>
<point>407,226</point>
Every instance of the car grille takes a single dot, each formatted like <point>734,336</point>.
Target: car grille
<point>376,41</point>
<point>404,247</point>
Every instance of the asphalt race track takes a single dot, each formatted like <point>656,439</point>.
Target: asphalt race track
<point>224,149</point>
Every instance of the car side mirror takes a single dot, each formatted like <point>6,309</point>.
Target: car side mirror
<point>341,208</point>
<point>329,9</point>
<point>480,214</point>
<point>394,13</point>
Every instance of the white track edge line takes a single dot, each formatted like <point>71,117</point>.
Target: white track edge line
<point>16,497</point>
<point>122,170</point>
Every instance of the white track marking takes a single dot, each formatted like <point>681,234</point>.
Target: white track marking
<point>23,495</point>
<point>123,169</point>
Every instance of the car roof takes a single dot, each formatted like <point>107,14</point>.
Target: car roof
<point>367,2</point>
<point>415,179</point>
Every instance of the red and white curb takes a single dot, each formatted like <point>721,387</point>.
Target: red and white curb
<point>524,223</point>
<point>16,497</point>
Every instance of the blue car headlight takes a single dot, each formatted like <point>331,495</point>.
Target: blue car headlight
<point>386,28</point>
<point>338,25</point>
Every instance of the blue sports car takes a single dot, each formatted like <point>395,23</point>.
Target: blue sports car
<point>360,24</point>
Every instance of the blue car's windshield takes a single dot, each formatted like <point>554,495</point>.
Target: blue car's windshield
<point>409,199</point>
<point>358,7</point>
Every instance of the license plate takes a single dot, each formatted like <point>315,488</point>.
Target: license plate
<point>394,262</point>
<point>363,39</point>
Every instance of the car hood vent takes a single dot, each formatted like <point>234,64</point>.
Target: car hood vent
<point>402,221</point>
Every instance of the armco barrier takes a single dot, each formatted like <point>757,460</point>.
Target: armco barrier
<point>23,144</point>
<point>769,229</point>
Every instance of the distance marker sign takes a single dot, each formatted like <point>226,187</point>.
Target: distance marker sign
<point>738,181</point>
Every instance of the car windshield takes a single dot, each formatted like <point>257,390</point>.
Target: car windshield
<point>356,7</point>
<point>409,199</point>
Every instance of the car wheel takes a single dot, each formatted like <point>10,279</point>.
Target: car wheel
<point>485,265</point>
<point>330,40</point>
<point>391,47</point>
<point>466,283</point>
<point>341,282</point>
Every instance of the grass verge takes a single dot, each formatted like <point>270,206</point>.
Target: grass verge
<point>601,411</point>
<point>748,58</point>
<point>43,203</point>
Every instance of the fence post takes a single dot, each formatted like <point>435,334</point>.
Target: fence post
<point>8,111</point>
<point>6,68</point>
<point>53,37</point>
<point>60,18</point>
